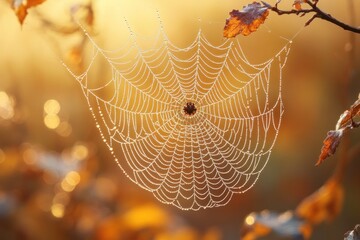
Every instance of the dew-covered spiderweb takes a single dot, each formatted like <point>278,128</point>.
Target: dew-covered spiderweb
<point>193,125</point>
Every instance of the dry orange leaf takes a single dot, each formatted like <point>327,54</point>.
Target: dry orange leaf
<point>333,138</point>
<point>21,7</point>
<point>349,114</point>
<point>330,145</point>
<point>324,204</point>
<point>297,4</point>
<point>245,21</point>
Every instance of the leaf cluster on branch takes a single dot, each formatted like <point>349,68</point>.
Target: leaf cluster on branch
<point>251,16</point>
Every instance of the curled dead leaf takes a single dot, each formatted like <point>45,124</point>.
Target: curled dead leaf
<point>345,123</point>
<point>324,204</point>
<point>349,114</point>
<point>21,7</point>
<point>245,21</point>
<point>330,145</point>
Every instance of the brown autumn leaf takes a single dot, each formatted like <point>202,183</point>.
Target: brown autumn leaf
<point>349,114</point>
<point>21,7</point>
<point>330,144</point>
<point>324,204</point>
<point>245,21</point>
<point>344,124</point>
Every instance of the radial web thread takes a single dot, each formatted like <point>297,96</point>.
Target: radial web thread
<point>196,160</point>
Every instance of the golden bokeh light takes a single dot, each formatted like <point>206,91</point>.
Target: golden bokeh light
<point>57,210</point>
<point>52,121</point>
<point>6,106</point>
<point>52,107</point>
<point>70,181</point>
<point>67,187</point>
<point>250,220</point>
<point>73,178</point>
<point>51,110</point>
<point>79,152</point>
<point>29,156</point>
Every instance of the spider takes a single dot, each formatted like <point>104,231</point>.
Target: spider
<point>189,109</point>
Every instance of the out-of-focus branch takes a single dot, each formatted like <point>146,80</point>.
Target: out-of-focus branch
<point>318,13</point>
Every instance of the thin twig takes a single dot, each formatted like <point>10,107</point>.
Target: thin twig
<point>310,20</point>
<point>318,13</point>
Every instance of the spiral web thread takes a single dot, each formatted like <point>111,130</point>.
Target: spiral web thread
<point>195,160</point>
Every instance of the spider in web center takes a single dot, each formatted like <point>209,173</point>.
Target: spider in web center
<point>189,109</point>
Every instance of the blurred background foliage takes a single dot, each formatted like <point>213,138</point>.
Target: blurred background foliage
<point>57,180</point>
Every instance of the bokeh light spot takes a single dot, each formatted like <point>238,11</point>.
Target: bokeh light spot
<point>73,178</point>
<point>67,187</point>
<point>6,106</point>
<point>52,107</point>
<point>250,220</point>
<point>57,210</point>
<point>30,156</point>
<point>51,121</point>
<point>79,152</point>
<point>70,181</point>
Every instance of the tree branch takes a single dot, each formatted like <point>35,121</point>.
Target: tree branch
<point>318,13</point>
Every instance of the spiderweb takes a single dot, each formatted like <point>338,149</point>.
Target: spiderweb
<point>192,125</point>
